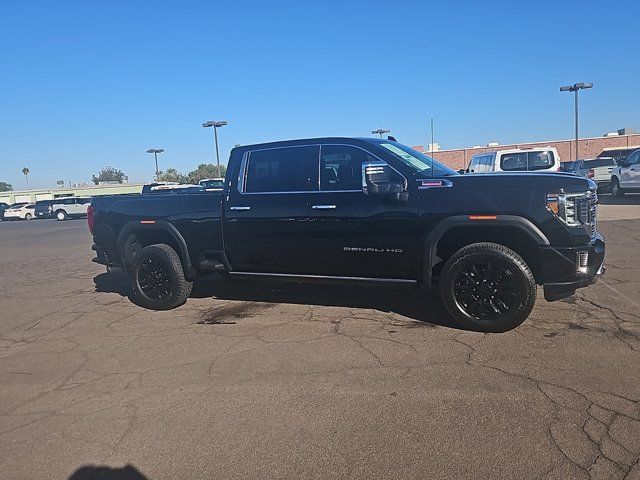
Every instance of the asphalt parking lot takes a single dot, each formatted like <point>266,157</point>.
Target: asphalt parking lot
<point>271,380</point>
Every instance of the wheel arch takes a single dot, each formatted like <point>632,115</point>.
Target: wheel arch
<point>136,235</point>
<point>453,233</point>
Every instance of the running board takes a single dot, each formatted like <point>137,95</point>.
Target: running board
<point>293,276</point>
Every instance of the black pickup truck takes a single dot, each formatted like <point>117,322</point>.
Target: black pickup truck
<point>361,210</point>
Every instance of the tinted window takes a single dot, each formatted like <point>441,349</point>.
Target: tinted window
<point>599,162</point>
<point>540,160</point>
<point>278,170</point>
<point>514,162</point>
<point>341,167</point>
<point>633,159</point>
<point>523,161</point>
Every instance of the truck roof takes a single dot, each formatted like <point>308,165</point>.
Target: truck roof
<point>318,140</point>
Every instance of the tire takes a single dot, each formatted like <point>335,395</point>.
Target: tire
<point>28,216</point>
<point>616,190</point>
<point>157,278</point>
<point>61,215</point>
<point>487,287</point>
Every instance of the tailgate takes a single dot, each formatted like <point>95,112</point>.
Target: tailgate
<point>601,174</point>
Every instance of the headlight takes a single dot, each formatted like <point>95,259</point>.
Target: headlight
<point>573,209</point>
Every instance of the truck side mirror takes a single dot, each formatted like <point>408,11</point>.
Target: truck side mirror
<point>376,179</point>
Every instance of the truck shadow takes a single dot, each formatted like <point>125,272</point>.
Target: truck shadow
<point>103,472</point>
<point>410,302</point>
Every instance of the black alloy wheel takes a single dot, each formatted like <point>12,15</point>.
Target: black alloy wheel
<point>157,278</point>
<point>153,279</point>
<point>485,290</point>
<point>487,287</point>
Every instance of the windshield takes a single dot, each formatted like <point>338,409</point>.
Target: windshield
<point>417,161</point>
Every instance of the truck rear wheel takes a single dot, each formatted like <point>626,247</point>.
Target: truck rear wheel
<point>488,287</point>
<point>157,278</point>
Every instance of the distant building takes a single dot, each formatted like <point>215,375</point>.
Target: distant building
<point>588,148</point>
<point>34,195</point>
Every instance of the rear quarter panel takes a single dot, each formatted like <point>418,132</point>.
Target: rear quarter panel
<point>196,216</point>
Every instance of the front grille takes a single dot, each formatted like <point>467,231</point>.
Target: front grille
<point>587,210</point>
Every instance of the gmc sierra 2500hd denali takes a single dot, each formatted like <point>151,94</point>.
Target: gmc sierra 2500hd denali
<point>362,210</point>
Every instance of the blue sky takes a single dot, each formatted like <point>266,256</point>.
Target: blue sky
<point>88,84</point>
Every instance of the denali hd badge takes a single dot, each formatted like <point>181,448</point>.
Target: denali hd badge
<point>372,250</point>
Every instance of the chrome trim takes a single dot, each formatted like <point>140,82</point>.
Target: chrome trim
<point>243,172</point>
<point>324,277</point>
<point>242,176</point>
<point>445,183</point>
<point>323,207</point>
<point>240,208</point>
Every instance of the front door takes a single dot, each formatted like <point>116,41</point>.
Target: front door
<point>266,216</point>
<point>355,234</point>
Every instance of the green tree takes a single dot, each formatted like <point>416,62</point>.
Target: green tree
<point>172,175</point>
<point>206,170</point>
<point>108,174</point>
<point>5,187</point>
<point>25,172</point>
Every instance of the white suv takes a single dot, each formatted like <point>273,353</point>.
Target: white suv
<point>626,176</point>
<point>69,207</point>
<point>516,160</point>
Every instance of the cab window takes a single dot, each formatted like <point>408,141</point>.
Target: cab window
<point>341,167</point>
<point>278,170</point>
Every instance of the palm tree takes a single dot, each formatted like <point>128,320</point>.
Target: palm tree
<point>25,172</point>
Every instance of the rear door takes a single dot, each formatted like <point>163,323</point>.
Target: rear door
<point>266,213</point>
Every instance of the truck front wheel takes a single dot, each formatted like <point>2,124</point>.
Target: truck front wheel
<point>488,287</point>
<point>157,278</point>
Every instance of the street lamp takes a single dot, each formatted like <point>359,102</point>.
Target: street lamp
<point>215,126</point>
<point>155,152</point>
<point>576,87</point>
<point>380,131</point>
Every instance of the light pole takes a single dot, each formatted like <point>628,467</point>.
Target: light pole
<point>155,152</point>
<point>215,126</point>
<point>380,131</point>
<point>576,87</point>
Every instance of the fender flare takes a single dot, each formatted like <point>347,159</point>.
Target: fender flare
<point>133,226</point>
<point>446,224</point>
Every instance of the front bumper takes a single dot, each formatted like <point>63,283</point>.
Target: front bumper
<point>560,271</point>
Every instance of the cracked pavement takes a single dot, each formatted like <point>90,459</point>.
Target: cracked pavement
<point>280,380</point>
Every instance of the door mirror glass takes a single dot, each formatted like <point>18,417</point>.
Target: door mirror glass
<point>379,179</point>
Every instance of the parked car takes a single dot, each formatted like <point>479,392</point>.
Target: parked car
<point>146,188</point>
<point>70,207</point>
<point>3,207</point>
<point>44,208</point>
<point>180,188</point>
<point>626,176</point>
<point>20,211</point>
<point>361,210</point>
<point>516,160</point>
<point>597,169</point>
<point>212,184</point>
<point>619,154</point>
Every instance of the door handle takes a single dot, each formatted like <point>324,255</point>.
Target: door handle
<point>240,208</point>
<point>323,207</point>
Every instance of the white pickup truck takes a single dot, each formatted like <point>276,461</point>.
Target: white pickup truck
<point>597,169</point>
<point>625,178</point>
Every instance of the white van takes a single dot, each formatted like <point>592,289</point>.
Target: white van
<point>516,160</point>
